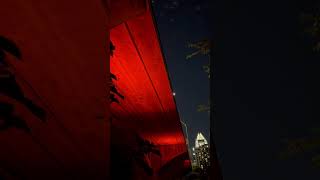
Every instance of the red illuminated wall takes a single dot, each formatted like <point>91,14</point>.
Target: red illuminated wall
<point>149,107</point>
<point>143,80</point>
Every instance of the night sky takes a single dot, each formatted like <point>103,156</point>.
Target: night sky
<point>180,22</point>
<point>265,87</point>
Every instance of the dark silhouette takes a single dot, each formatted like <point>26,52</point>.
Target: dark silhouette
<point>8,83</point>
<point>147,146</point>
<point>128,152</point>
<point>115,91</point>
<point>144,148</point>
<point>9,87</point>
<point>9,120</point>
<point>113,76</point>
<point>114,99</point>
<point>139,158</point>
<point>10,47</point>
<point>112,48</point>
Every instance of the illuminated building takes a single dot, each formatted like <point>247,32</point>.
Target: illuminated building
<point>202,152</point>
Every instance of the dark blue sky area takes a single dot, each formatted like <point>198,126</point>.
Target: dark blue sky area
<point>266,85</point>
<point>180,22</point>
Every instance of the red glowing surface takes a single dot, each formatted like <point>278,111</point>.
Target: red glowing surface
<point>139,66</point>
<point>149,107</point>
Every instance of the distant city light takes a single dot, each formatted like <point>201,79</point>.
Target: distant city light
<point>202,152</point>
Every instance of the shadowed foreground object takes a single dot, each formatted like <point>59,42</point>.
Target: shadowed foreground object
<point>8,83</point>
<point>8,46</point>
<point>10,88</point>
<point>9,120</point>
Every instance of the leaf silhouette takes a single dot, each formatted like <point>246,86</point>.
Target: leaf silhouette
<point>36,110</point>
<point>112,76</point>
<point>144,148</point>
<point>8,83</point>
<point>10,47</point>
<point>203,108</point>
<point>112,48</point>
<point>114,99</point>
<point>8,120</point>
<point>201,47</point>
<point>147,146</point>
<point>115,91</point>
<point>10,88</point>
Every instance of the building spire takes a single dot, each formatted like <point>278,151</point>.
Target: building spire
<point>200,140</point>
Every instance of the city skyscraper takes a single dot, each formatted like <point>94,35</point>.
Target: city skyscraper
<point>201,152</point>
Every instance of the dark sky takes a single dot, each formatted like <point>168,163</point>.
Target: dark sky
<point>266,85</point>
<point>180,22</point>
